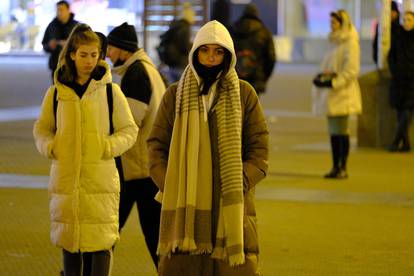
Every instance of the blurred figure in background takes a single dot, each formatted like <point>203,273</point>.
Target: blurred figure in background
<point>395,24</point>
<point>401,64</point>
<point>337,92</point>
<point>143,88</point>
<point>221,12</point>
<point>57,32</point>
<point>255,49</point>
<point>175,44</point>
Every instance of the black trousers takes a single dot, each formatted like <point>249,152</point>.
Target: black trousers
<point>142,191</point>
<point>87,264</point>
<point>404,118</point>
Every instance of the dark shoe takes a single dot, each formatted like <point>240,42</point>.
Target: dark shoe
<point>336,173</point>
<point>393,148</point>
<point>405,148</point>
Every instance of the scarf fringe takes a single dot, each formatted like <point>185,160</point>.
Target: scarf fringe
<point>178,246</point>
<point>234,260</point>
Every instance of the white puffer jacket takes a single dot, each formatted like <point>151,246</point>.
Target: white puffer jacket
<point>344,98</point>
<point>84,182</point>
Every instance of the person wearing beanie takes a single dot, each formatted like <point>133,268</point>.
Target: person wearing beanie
<point>143,88</point>
<point>255,50</point>
<point>395,23</point>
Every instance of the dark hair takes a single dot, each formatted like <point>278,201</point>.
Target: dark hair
<point>63,3</point>
<point>82,34</point>
<point>337,16</point>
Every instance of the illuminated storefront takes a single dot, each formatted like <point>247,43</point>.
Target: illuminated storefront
<point>300,26</point>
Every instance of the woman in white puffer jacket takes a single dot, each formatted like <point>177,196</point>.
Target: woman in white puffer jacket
<point>339,96</point>
<point>73,130</point>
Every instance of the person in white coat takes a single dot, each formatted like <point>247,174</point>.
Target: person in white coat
<point>336,93</point>
<point>74,130</point>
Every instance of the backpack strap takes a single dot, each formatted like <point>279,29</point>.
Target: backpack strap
<point>110,99</point>
<point>55,104</point>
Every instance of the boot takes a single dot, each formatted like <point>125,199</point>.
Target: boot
<point>335,150</point>
<point>405,143</point>
<point>344,154</point>
<point>340,151</point>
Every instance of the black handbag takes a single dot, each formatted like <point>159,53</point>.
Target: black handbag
<point>324,79</point>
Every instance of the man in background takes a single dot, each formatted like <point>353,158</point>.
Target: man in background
<point>255,49</point>
<point>143,87</point>
<point>57,32</point>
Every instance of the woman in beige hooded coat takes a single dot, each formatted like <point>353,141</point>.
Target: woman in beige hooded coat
<point>208,149</point>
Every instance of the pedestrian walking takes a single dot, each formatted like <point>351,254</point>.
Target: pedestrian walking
<point>175,44</point>
<point>84,123</point>
<point>401,64</point>
<point>57,32</point>
<point>255,49</point>
<point>208,149</point>
<point>336,93</point>
<point>143,87</point>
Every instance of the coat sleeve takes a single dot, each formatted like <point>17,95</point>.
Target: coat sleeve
<point>350,66</point>
<point>44,127</point>
<point>160,137</point>
<point>270,55</point>
<point>255,138</point>
<point>125,129</point>
<point>46,38</point>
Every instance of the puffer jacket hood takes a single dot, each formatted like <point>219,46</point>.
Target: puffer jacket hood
<point>213,33</point>
<point>101,76</point>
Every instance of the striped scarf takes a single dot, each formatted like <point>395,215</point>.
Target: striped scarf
<point>187,198</point>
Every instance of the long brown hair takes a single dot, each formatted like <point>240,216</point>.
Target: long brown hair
<point>82,34</point>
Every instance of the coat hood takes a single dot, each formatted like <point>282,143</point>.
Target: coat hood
<point>213,32</point>
<point>101,76</point>
<point>247,25</point>
<point>346,32</point>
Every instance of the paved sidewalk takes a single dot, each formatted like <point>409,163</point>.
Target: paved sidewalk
<point>307,225</point>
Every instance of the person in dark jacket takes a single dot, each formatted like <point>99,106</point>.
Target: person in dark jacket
<point>395,23</point>
<point>57,32</point>
<point>143,87</point>
<point>401,64</point>
<point>221,12</point>
<point>255,49</point>
<point>175,44</point>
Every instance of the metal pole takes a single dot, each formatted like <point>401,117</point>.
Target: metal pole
<point>384,34</point>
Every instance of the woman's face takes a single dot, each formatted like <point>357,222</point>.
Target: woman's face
<point>408,22</point>
<point>335,24</point>
<point>85,58</point>
<point>211,55</point>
